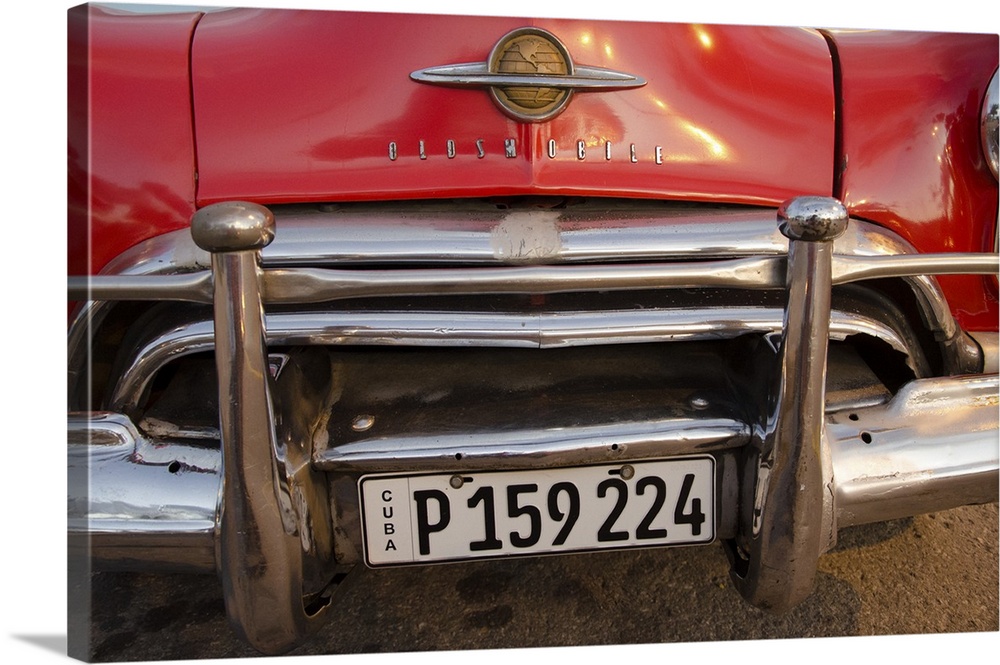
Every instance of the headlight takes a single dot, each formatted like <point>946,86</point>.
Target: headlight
<point>988,125</point>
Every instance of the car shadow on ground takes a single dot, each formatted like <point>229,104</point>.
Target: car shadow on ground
<point>881,579</point>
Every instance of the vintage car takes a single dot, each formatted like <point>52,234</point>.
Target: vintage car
<point>354,289</point>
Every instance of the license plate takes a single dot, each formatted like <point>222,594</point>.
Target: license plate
<point>453,516</point>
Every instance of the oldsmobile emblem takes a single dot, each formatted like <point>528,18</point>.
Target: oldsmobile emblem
<point>530,76</point>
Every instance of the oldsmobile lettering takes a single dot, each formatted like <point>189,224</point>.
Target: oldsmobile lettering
<point>510,150</point>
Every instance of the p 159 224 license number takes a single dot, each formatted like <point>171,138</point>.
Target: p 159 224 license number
<point>442,517</point>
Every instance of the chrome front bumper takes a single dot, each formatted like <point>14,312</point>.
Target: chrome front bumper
<point>279,519</point>
<point>154,505</point>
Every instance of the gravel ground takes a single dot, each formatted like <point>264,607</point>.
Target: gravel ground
<point>935,573</point>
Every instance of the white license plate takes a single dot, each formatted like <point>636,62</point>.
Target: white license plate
<point>443,517</point>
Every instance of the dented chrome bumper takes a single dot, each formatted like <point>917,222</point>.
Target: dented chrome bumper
<point>270,502</point>
<point>154,505</point>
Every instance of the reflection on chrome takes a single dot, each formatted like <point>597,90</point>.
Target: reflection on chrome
<point>823,401</point>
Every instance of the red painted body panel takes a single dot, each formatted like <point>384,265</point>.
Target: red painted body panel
<point>288,108</point>
<point>136,175</point>
<point>294,106</point>
<point>912,146</point>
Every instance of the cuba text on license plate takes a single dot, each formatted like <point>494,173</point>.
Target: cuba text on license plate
<point>453,516</point>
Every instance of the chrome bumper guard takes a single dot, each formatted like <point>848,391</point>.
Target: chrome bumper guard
<point>263,508</point>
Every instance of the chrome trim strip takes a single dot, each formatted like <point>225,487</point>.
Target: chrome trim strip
<point>474,234</point>
<point>311,285</point>
<point>933,447</point>
<point>533,449</point>
<point>478,74</point>
<point>179,337</point>
<point>194,287</point>
<point>315,285</point>
<point>290,286</point>
<point>852,269</point>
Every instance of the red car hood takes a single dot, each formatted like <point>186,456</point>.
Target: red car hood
<point>321,106</point>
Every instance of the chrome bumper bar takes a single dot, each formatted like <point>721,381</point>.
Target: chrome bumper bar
<point>153,505</point>
<point>934,446</point>
<point>271,533</point>
<point>297,286</point>
<point>183,336</point>
<point>677,239</point>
